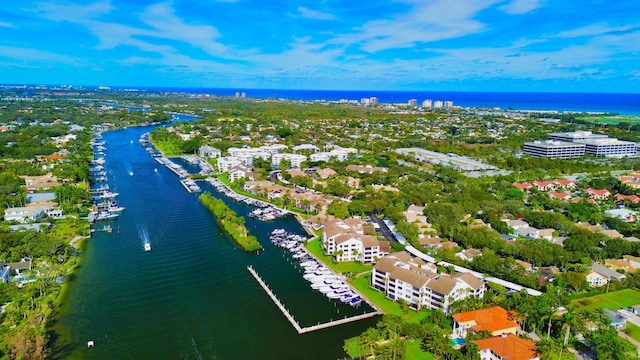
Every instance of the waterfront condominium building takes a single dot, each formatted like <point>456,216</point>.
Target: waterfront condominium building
<point>401,276</point>
<point>295,159</point>
<point>427,103</point>
<point>349,240</point>
<point>554,149</point>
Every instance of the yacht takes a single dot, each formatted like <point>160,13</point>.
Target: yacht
<point>130,173</point>
<point>147,247</point>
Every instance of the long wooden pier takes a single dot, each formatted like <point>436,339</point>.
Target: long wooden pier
<point>294,322</point>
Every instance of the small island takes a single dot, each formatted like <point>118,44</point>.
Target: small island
<point>233,224</point>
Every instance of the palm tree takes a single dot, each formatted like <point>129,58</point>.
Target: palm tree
<point>369,338</point>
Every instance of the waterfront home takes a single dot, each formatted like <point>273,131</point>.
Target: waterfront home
<point>422,287</point>
<point>209,152</point>
<point>495,320</point>
<point>349,240</point>
<point>507,347</point>
<point>600,275</point>
<point>25,214</point>
<point>240,172</point>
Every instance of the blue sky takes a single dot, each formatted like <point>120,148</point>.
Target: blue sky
<point>447,45</point>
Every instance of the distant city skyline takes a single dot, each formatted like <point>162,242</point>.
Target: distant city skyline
<point>438,45</point>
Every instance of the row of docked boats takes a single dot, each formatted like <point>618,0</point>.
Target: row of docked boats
<point>267,213</point>
<point>263,211</point>
<point>320,277</point>
<point>105,207</point>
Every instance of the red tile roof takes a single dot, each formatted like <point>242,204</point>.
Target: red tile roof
<point>509,347</point>
<point>491,319</point>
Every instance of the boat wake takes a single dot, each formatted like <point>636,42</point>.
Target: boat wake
<point>143,234</point>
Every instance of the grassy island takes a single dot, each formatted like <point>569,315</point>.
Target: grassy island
<point>232,223</point>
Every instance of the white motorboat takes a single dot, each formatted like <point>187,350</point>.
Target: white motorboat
<point>147,247</point>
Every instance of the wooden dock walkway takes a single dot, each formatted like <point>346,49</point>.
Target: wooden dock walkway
<point>294,322</point>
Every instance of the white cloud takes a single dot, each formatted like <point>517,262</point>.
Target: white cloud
<point>35,57</point>
<point>423,22</point>
<point>6,24</point>
<point>595,29</point>
<point>518,7</point>
<point>314,14</point>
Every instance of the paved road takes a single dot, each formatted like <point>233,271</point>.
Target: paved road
<point>384,229</point>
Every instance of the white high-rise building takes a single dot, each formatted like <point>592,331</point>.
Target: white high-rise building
<point>427,103</point>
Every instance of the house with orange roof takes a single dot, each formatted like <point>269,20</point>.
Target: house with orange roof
<point>554,195</point>
<point>565,184</point>
<point>523,186</point>
<point>507,347</point>
<point>544,185</point>
<point>495,319</point>
<point>599,194</point>
<point>633,199</point>
<point>632,179</point>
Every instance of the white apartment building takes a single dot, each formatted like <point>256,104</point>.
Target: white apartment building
<point>400,276</point>
<point>305,147</point>
<point>346,241</point>
<point>274,148</point>
<point>554,149</point>
<point>209,152</point>
<point>427,103</point>
<point>438,104</point>
<point>340,154</point>
<point>296,160</point>
<point>227,162</point>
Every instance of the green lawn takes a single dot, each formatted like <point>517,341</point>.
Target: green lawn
<point>415,353</point>
<point>613,300</point>
<point>633,331</point>
<point>609,119</point>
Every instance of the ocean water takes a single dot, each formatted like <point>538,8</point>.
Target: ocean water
<point>191,297</point>
<point>625,104</point>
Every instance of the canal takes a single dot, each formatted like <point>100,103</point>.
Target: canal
<point>191,297</point>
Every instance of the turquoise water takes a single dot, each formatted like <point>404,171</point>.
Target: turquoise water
<point>191,297</point>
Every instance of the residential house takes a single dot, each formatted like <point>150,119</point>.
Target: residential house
<point>616,320</point>
<point>632,199</point>
<point>619,264</point>
<point>623,214</point>
<point>554,195</point>
<point>326,173</point>
<point>544,185</point>
<point>523,186</point>
<point>527,266</point>
<point>366,169</point>
<point>598,194</point>
<point>495,320</point>
<point>43,182</point>
<point>507,347</point>
<point>632,179</point>
<point>601,275</point>
<point>25,214</point>
<point>420,287</point>
<point>468,254</point>
<point>634,261</point>
<point>565,184</point>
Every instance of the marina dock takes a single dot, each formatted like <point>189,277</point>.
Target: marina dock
<point>294,322</point>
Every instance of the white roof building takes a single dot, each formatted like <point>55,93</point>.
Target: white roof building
<point>227,162</point>
<point>296,160</point>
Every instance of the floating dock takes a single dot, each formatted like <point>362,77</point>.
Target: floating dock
<point>294,322</point>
